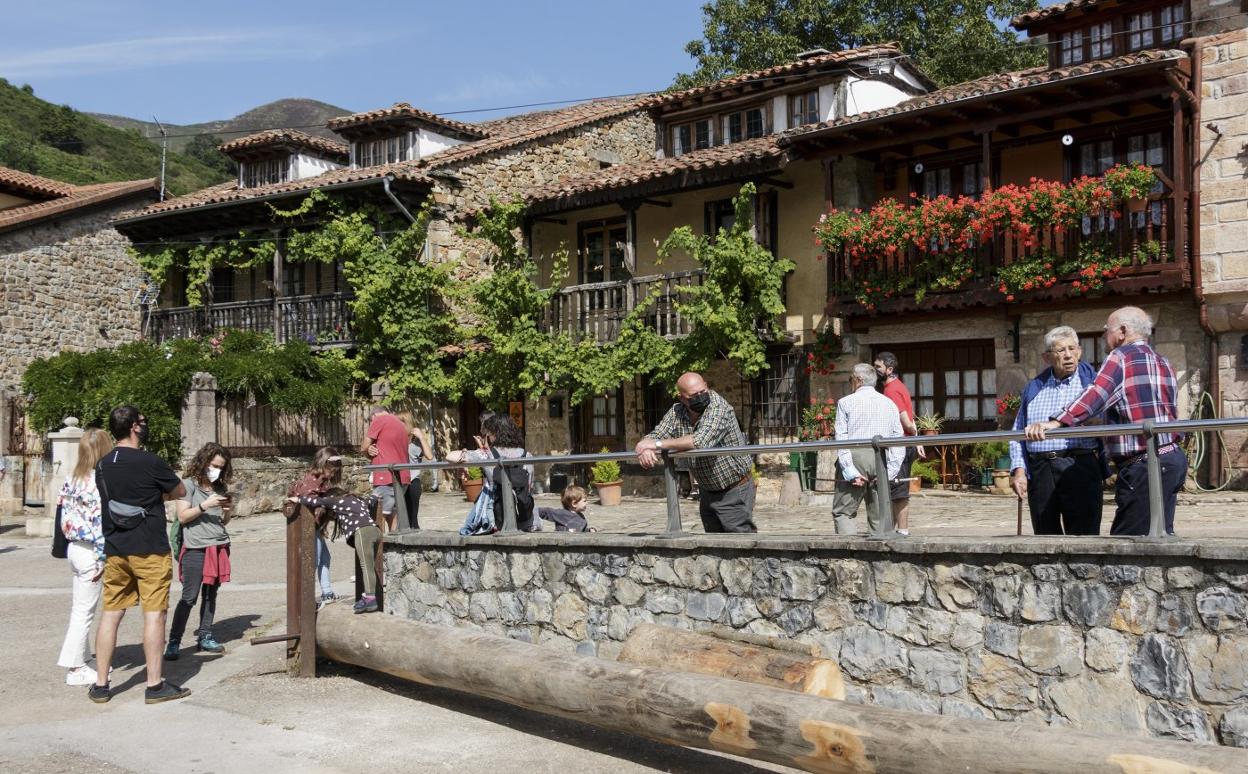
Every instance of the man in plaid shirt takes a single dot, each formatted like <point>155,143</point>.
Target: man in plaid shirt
<point>1134,384</point>
<point>704,420</point>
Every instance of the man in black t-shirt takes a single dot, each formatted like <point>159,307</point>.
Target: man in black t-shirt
<point>137,565</point>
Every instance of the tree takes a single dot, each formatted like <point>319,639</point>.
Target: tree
<point>60,127</point>
<point>953,41</point>
<point>206,148</point>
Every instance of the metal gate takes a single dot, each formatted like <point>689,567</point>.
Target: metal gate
<point>35,454</point>
<point>776,398</point>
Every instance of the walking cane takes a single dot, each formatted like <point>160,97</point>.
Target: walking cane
<point>1020,516</point>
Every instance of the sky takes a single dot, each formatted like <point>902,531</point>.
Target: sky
<point>187,62</point>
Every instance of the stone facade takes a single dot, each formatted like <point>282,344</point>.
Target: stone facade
<point>1098,635</point>
<point>66,285</point>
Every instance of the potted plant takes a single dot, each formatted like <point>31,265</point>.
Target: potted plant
<point>606,477</point>
<point>924,472</point>
<point>474,479</point>
<point>818,424</point>
<point>987,458</point>
<point>1132,183</point>
<point>1007,407</point>
<point>929,424</point>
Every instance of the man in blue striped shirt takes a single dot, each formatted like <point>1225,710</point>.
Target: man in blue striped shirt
<point>1060,477</point>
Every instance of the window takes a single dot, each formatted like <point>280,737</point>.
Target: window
<point>385,150</point>
<point>656,401</point>
<point>776,399</point>
<point>266,172</point>
<point>691,136</point>
<point>1140,30</point>
<point>1094,157</point>
<point>804,109</point>
<point>292,280</point>
<point>1094,349</point>
<point>1072,47</point>
<point>222,285</point>
<point>958,179</point>
<point>602,422</point>
<point>957,379</point>
<point>744,125</point>
<point>1171,20</point>
<point>1166,25</point>
<point>602,252</point>
<point>718,215</point>
<point>1101,40</point>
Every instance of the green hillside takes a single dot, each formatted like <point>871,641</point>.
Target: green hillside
<point>63,144</point>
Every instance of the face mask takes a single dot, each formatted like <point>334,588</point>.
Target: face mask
<point>699,402</point>
<point>214,474</point>
<point>144,432</point>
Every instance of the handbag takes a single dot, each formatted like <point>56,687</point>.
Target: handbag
<point>60,546</point>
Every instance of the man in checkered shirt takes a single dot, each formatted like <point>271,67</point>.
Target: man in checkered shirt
<point>864,413</point>
<point>1134,384</point>
<point>701,419</point>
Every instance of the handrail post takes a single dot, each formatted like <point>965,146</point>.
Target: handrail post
<point>672,494</point>
<point>509,502</point>
<point>1156,505</point>
<point>400,503</point>
<point>885,528</point>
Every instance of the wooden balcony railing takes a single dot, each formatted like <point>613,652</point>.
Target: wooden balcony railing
<point>1157,260</point>
<point>323,320</point>
<point>596,311</point>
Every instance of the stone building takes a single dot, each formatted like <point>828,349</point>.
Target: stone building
<point>66,281</point>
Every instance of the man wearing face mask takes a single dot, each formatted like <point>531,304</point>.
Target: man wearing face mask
<point>138,567</point>
<point>702,419</point>
<point>1060,477</point>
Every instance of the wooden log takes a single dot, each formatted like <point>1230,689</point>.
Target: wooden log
<point>685,651</point>
<point>762,640</point>
<point>752,721</point>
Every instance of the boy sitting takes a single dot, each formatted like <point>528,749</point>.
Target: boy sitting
<point>571,517</point>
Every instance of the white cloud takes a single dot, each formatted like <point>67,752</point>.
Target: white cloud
<point>169,50</point>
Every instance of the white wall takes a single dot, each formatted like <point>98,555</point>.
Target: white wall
<point>311,166</point>
<point>867,95</point>
<point>428,142</point>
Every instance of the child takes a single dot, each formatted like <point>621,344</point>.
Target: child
<point>352,518</point>
<point>313,483</point>
<point>571,517</point>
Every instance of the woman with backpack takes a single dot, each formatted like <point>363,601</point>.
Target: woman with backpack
<point>505,440</point>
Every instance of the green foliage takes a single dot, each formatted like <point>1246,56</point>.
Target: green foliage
<point>474,474</point>
<point>206,149</point>
<point>926,470</point>
<point>63,144</point>
<point>605,471</point>
<point>986,454</point>
<point>930,422</point>
<point>951,41</point>
<point>155,378</point>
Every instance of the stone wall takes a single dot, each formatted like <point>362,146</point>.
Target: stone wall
<point>67,285</point>
<point>1100,635</point>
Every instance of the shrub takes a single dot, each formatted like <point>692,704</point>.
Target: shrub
<point>605,471</point>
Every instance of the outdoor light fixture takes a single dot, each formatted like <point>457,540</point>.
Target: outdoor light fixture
<point>1068,139</point>
<point>918,168</point>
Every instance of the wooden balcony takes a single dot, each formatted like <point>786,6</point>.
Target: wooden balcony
<point>596,311</point>
<point>1158,263</point>
<point>322,321</point>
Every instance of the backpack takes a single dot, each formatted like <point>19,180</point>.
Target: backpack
<point>513,479</point>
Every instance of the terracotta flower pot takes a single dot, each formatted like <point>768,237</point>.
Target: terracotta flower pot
<point>472,488</point>
<point>609,493</point>
<point>929,432</point>
<point>916,484</point>
<point>1137,205</point>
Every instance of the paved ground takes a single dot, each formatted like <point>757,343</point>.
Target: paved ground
<point>247,715</point>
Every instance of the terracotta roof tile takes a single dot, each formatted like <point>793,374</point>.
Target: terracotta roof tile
<point>230,192</point>
<point>992,84</point>
<point>41,186</point>
<point>794,67</point>
<point>76,197</point>
<point>1025,20</point>
<point>403,110</point>
<point>761,149</point>
<point>287,137</point>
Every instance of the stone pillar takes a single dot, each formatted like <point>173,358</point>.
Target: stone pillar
<point>64,443</point>
<point>199,414</point>
<point>11,477</point>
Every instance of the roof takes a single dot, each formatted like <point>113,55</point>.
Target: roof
<point>505,133</point>
<point>1025,20</point>
<point>761,153</point>
<point>74,197</point>
<point>26,182</point>
<point>1001,83</point>
<point>402,110</point>
<point>277,137</point>
<point>230,191</point>
<point>795,67</point>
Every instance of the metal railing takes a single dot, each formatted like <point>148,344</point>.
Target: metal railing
<point>879,444</point>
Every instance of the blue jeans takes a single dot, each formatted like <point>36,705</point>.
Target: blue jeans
<point>322,566</point>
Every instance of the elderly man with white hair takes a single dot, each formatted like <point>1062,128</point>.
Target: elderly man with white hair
<point>1134,384</point>
<point>864,413</point>
<point>1059,477</point>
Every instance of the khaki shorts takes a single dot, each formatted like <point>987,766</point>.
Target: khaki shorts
<point>129,580</point>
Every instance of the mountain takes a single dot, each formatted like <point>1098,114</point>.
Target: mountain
<point>308,115</point>
<point>61,143</point>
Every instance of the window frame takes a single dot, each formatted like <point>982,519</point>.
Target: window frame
<point>262,172</point>
<point>807,113</point>
<point>364,153</point>
<point>945,357</point>
<point>607,227</point>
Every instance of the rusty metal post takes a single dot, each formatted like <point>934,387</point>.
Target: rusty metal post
<point>300,592</point>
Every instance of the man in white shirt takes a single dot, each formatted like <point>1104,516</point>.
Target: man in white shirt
<point>864,413</point>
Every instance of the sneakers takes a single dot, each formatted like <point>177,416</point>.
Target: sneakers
<point>209,644</point>
<point>367,604</point>
<point>83,675</point>
<point>100,694</point>
<point>166,691</point>
<point>325,599</point>
<point>171,650</point>
<point>905,532</point>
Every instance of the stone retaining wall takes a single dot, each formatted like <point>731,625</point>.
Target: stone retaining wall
<point>1102,635</point>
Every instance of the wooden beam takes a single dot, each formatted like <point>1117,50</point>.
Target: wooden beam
<point>753,721</point>
<point>558,221</point>
<point>775,181</point>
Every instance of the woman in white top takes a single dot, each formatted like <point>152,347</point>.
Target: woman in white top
<point>80,523</point>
